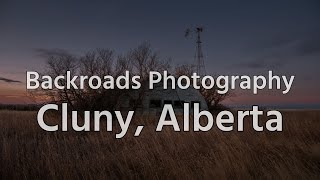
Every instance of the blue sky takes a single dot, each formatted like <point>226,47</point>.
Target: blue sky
<point>240,37</point>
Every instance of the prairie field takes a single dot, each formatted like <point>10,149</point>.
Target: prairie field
<point>28,152</point>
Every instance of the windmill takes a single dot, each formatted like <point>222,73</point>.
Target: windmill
<point>201,71</point>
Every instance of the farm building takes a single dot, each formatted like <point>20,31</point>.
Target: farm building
<point>152,100</point>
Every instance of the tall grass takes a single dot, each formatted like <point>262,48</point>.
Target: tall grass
<point>28,152</point>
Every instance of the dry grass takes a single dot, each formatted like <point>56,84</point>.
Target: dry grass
<point>28,152</point>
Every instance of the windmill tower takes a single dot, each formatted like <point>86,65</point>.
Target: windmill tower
<point>201,71</point>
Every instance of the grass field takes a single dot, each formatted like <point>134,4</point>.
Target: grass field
<point>26,151</point>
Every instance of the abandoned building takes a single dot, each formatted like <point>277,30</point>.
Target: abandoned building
<point>153,100</point>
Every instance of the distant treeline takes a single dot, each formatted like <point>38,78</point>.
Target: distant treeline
<point>20,107</point>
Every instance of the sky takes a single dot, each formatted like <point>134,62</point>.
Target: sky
<point>240,37</point>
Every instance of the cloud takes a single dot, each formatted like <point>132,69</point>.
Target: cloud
<point>280,49</point>
<point>51,52</point>
<point>261,64</point>
<point>277,41</point>
<point>9,80</point>
<point>308,46</point>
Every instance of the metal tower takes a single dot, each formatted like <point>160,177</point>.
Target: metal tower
<point>201,71</point>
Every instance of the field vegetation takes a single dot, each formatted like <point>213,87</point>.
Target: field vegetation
<point>28,152</point>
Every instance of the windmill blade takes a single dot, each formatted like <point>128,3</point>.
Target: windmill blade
<point>199,29</point>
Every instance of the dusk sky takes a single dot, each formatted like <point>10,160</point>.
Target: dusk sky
<point>240,37</point>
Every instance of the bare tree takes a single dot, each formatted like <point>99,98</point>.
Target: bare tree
<point>144,59</point>
<point>58,63</point>
<point>100,62</point>
<point>185,69</point>
<point>211,96</point>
